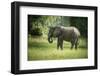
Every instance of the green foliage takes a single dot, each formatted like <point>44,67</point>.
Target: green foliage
<point>36,31</point>
<point>38,24</point>
<point>42,23</point>
<point>81,23</point>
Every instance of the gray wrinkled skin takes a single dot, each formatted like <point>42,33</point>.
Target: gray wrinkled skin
<point>70,34</point>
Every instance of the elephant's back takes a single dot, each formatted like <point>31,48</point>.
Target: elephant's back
<point>69,32</point>
<point>76,31</point>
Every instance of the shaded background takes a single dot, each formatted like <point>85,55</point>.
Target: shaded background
<point>38,24</point>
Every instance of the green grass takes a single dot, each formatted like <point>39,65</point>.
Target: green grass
<point>40,49</point>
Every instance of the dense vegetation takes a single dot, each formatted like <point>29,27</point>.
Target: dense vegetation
<point>38,46</point>
<point>38,25</point>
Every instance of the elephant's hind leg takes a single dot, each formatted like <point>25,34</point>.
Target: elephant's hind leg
<point>76,43</point>
<point>72,43</point>
<point>76,46</point>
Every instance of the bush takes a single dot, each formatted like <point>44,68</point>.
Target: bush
<point>36,32</point>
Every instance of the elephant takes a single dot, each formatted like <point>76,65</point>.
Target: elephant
<point>62,33</point>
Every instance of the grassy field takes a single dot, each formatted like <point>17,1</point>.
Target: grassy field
<point>40,49</point>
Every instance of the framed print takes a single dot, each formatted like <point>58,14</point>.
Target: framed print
<point>52,37</point>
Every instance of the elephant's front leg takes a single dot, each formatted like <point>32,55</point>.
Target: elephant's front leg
<point>60,43</point>
<point>61,46</point>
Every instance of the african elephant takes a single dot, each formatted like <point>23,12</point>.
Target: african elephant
<point>70,34</point>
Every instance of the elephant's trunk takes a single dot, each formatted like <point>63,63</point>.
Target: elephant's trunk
<point>50,40</point>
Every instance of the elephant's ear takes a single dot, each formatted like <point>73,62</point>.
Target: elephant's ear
<point>57,31</point>
<point>60,33</point>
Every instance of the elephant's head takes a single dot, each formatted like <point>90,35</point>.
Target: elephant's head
<point>53,32</point>
<point>50,34</point>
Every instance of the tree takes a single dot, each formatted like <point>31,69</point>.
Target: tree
<point>38,24</point>
<point>81,23</point>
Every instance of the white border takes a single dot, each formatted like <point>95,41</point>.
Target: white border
<point>26,65</point>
